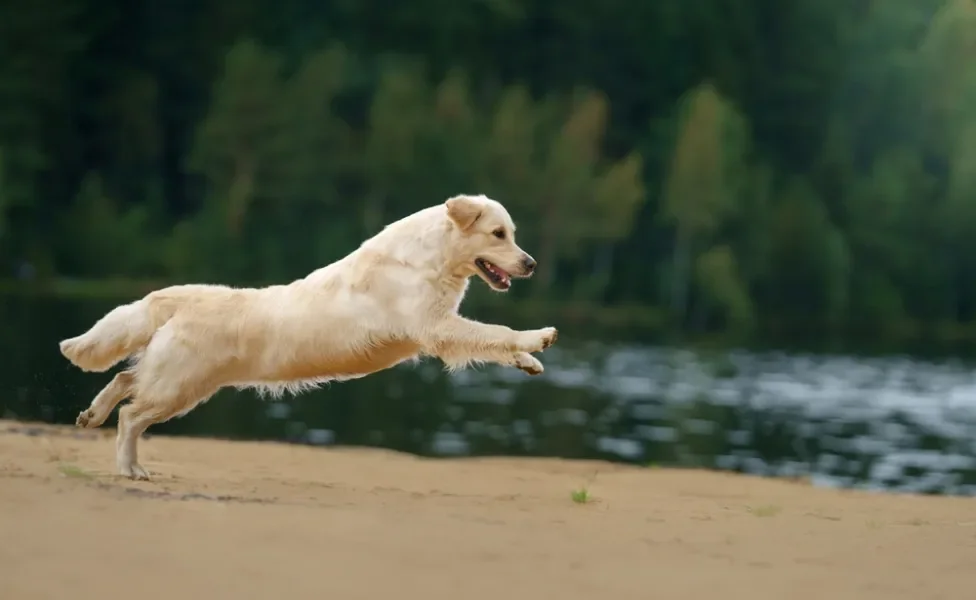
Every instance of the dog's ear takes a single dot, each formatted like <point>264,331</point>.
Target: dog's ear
<point>464,211</point>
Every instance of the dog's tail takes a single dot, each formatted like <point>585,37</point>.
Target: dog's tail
<point>122,332</point>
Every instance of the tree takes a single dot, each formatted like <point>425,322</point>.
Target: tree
<point>546,159</point>
<point>399,116</point>
<point>510,152</point>
<point>42,44</point>
<point>319,159</point>
<point>810,261</point>
<point>238,146</point>
<point>950,111</point>
<point>107,240</point>
<point>722,284</point>
<point>3,197</point>
<point>704,183</point>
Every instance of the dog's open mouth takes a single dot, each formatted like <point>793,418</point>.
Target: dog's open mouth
<point>494,275</point>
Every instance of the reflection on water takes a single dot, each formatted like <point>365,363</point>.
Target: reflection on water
<point>879,423</point>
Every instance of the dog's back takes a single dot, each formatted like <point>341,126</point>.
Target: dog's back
<point>127,329</point>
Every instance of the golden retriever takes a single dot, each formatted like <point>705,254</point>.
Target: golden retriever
<point>395,298</point>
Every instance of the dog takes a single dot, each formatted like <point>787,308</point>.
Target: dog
<point>393,299</point>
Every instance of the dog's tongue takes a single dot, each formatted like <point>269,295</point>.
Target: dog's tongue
<point>504,277</point>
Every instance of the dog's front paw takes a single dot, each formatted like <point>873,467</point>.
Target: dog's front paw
<point>528,363</point>
<point>550,337</point>
<point>539,339</point>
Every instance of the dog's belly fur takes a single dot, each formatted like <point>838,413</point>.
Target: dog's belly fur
<point>302,375</point>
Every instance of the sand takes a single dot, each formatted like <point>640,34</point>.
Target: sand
<point>243,520</point>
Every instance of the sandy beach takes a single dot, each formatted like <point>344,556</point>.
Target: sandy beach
<point>248,520</point>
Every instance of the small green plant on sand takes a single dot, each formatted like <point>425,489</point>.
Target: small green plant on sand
<point>74,472</point>
<point>580,496</point>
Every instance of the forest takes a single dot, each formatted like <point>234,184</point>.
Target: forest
<point>748,166</point>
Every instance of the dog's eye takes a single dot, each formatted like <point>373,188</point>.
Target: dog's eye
<point>499,233</point>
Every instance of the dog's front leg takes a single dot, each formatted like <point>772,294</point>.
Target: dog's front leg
<point>484,337</point>
<point>459,341</point>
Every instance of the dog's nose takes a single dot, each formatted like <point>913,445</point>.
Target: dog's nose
<point>529,263</point>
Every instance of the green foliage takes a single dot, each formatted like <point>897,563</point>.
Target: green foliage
<point>703,187</point>
<point>700,190</point>
<point>718,275</point>
<point>238,147</point>
<point>41,44</point>
<point>687,158</point>
<point>810,264</point>
<point>4,200</point>
<point>106,240</point>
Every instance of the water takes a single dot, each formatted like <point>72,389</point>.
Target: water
<point>884,423</point>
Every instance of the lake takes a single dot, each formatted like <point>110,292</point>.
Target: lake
<point>892,423</point>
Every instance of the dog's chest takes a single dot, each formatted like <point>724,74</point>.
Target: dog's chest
<point>449,298</point>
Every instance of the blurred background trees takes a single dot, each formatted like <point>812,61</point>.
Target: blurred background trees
<point>803,165</point>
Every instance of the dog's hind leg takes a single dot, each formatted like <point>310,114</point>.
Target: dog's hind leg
<point>134,419</point>
<point>101,407</point>
<point>143,412</point>
<point>170,380</point>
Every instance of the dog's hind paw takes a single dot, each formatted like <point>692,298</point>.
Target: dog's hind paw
<point>84,418</point>
<point>134,471</point>
<point>528,364</point>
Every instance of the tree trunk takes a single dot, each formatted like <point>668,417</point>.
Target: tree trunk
<point>547,251</point>
<point>373,214</point>
<point>680,276</point>
<point>239,197</point>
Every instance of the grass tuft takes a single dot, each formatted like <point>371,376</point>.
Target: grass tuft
<point>74,472</point>
<point>580,496</point>
<point>766,510</point>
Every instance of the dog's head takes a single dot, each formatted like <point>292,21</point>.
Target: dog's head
<point>484,241</point>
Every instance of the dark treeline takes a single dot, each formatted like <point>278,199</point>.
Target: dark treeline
<point>722,164</point>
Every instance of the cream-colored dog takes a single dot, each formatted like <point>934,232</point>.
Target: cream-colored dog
<point>393,299</point>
